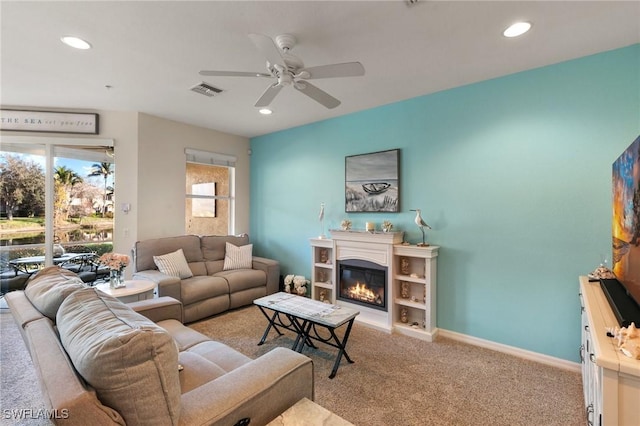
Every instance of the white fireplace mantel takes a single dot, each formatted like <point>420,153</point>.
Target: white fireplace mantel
<point>389,238</point>
<point>413,314</point>
<point>376,247</point>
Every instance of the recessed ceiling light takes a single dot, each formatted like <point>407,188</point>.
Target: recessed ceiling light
<point>265,111</point>
<point>517,29</point>
<point>75,42</point>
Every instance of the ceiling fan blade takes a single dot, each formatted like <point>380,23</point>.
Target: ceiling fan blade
<point>234,74</point>
<point>316,94</point>
<point>269,95</point>
<point>348,69</point>
<point>268,48</point>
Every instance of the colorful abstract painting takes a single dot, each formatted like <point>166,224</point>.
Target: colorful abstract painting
<point>626,219</point>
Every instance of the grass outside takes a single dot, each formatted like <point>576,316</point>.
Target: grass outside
<point>19,223</point>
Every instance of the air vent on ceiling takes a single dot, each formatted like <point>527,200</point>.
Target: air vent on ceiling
<point>206,89</point>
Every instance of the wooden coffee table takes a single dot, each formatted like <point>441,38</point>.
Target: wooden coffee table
<point>133,290</point>
<point>304,316</point>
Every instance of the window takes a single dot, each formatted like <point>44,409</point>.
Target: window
<point>209,201</point>
<point>56,194</point>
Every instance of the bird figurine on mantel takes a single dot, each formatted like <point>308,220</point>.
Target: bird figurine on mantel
<point>421,224</point>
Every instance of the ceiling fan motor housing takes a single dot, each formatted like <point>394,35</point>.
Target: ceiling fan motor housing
<point>286,41</point>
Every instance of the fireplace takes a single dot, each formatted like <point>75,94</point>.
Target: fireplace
<point>363,283</point>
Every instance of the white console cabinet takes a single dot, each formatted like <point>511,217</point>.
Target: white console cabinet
<point>611,381</point>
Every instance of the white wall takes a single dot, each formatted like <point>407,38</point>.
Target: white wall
<point>161,173</point>
<point>150,171</point>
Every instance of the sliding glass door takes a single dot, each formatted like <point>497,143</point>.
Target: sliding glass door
<point>56,197</point>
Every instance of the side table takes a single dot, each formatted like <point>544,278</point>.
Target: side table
<point>133,290</point>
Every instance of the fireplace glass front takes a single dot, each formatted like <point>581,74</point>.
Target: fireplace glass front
<point>363,283</point>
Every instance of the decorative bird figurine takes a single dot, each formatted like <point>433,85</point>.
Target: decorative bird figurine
<point>421,224</point>
<point>321,219</point>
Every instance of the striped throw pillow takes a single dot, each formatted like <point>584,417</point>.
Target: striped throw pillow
<point>173,264</point>
<point>238,257</point>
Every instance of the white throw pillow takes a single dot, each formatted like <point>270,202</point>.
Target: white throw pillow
<point>173,264</point>
<point>238,257</point>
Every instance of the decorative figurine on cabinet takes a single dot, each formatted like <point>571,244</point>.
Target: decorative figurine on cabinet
<point>404,315</point>
<point>404,290</point>
<point>421,224</point>
<point>324,255</point>
<point>404,266</point>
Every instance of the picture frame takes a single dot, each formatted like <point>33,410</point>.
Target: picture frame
<point>372,182</point>
<point>49,121</point>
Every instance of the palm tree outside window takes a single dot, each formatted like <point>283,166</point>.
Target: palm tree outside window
<point>104,170</point>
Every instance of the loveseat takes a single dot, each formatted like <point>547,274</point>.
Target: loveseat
<point>215,280</point>
<point>102,362</point>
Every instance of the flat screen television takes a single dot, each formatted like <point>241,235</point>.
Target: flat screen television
<point>626,230</point>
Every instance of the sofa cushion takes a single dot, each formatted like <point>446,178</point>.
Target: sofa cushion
<point>214,266</point>
<point>238,257</point>
<point>173,264</point>
<point>214,246</point>
<point>196,371</point>
<point>145,250</point>
<point>242,279</point>
<point>131,362</point>
<point>49,287</point>
<point>220,354</point>
<point>202,287</point>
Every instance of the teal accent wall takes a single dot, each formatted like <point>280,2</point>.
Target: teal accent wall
<point>513,174</point>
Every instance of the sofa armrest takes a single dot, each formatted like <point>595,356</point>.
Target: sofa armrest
<point>259,390</point>
<point>272,269</point>
<point>167,285</point>
<point>162,308</point>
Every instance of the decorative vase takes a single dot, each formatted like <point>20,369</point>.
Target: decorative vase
<point>404,315</point>
<point>116,278</point>
<point>404,289</point>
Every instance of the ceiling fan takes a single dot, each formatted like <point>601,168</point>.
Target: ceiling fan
<point>289,70</point>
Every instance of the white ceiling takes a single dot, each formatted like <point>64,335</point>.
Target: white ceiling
<point>150,52</point>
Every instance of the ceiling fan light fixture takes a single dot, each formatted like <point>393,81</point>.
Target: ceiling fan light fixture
<point>265,111</point>
<point>517,29</point>
<point>75,42</point>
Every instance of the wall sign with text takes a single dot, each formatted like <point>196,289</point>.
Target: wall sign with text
<point>48,121</point>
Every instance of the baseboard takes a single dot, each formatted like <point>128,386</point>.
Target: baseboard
<point>511,350</point>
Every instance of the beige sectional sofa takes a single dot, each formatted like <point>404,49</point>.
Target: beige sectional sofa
<point>211,289</point>
<point>102,362</point>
